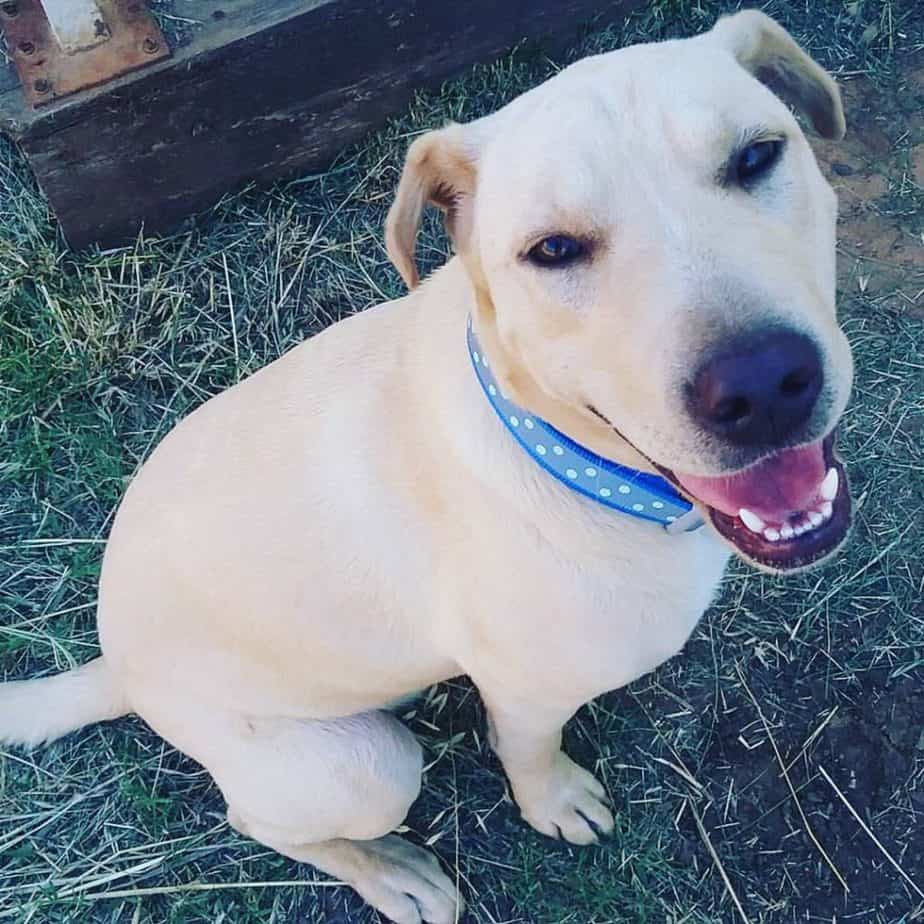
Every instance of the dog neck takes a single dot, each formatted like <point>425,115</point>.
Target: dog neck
<point>628,490</point>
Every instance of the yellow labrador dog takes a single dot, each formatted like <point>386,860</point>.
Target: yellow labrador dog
<point>499,475</point>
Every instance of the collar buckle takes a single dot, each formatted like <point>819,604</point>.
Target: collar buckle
<point>690,521</point>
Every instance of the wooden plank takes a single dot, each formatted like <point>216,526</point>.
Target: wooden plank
<point>260,95</point>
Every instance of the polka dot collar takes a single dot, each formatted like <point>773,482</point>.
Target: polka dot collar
<point>639,494</point>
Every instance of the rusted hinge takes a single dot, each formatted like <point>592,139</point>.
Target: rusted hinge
<point>63,46</point>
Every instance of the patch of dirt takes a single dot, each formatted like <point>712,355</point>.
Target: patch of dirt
<point>878,174</point>
<point>872,751</point>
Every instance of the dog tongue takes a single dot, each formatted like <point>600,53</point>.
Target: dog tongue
<point>781,485</point>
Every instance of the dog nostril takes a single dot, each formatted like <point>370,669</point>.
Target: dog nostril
<point>796,382</point>
<point>731,410</point>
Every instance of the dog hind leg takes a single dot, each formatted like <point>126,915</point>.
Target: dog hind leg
<point>328,793</point>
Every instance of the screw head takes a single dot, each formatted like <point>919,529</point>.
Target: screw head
<point>42,85</point>
<point>150,45</point>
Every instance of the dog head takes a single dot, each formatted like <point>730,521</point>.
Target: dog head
<point>651,247</point>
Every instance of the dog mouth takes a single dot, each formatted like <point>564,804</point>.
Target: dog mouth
<point>785,512</point>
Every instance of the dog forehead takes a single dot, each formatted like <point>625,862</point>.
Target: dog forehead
<point>612,127</point>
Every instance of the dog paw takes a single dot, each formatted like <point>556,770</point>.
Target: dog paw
<point>406,883</point>
<point>567,803</point>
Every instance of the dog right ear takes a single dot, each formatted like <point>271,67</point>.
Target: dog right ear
<point>440,169</point>
<point>765,49</point>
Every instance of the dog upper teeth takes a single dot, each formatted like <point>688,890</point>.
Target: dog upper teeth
<point>787,532</point>
<point>815,518</point>
<point>827,509</point>
<point>829,486</point>
<point>751,520</point>
<point>772,534</point>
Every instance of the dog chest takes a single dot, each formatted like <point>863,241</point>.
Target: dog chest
<point>573,627</point>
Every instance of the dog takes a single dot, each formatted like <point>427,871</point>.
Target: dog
<point>532,469</point>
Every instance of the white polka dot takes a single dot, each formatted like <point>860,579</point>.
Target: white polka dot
<point>540,449</point>
<point>638,507</point>
<point>476,357</point>
<point>571,473</point>
<point>558,450</point>
<point>670,519</point>
<point>657,505</point>
<point>590,472</point>
<point>605,492</point>
<point>528,423</point>
<point>492,391</point>
<point>514,421</point>
<point>624,489</point>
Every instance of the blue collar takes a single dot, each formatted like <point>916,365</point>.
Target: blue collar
<point>639,494</point>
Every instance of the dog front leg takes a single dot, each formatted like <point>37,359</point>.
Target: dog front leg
<point>556,796</point>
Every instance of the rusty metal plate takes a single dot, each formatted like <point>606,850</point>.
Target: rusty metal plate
<point>124,38</point>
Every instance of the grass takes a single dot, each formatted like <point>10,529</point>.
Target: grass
<point>731,767</point>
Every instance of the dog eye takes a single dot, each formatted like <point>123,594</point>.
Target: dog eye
<point>556,250</point>
<point>756,159</point>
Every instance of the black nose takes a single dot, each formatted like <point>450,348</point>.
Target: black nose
<point>760,392</point>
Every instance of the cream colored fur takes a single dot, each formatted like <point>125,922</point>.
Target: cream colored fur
<point>352,523</point>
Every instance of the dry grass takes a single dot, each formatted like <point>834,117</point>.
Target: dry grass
<point>726,766</point>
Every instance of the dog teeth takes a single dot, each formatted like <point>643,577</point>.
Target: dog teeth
<point>751,520</point>
<point>811,519</point>
<point>830,485</point>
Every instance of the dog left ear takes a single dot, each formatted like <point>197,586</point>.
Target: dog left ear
<point>765,49</point>
<point>440,170</point>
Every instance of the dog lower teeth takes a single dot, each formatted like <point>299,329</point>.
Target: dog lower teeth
<point>812,519</point>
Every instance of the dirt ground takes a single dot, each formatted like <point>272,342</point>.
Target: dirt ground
<point>879,252</point>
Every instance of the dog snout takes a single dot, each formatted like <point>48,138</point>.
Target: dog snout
<point>760,392</point>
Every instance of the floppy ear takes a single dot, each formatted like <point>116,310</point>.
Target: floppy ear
<point>439,170</point>
<point>770,53</point>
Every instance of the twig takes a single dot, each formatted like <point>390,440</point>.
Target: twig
<point>718,863</point>
<point>237,352</point>
<point>869,832</point>
<point>680,771</point>
<point>792,790</point>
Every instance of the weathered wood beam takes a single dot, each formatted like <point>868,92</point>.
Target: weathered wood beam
<point>264,88</point>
